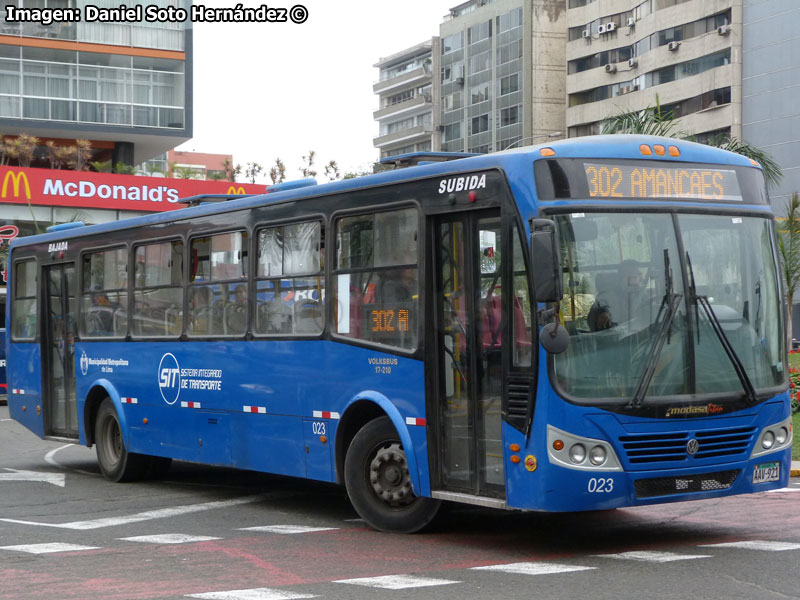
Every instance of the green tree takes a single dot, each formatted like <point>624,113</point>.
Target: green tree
<point>653,120</point>
<point>231,172</point>
<point>308,168</point>
<point>252,171</point>
<point>332,171</point>
<point>278,172</point>
<point>789,247</point>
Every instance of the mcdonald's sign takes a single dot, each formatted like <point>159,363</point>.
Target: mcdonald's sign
<point>16,179</point>
<point>109,191</point>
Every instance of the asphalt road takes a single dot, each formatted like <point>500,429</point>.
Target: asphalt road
<point>66,533</point>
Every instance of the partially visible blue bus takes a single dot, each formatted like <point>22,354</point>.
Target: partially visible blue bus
<point>591,324</point>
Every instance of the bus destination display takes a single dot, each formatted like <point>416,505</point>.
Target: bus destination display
<point>644,181</point>
<point>388,323</point>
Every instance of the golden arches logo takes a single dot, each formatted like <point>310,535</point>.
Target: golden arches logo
<point>16,179</point>
<point>234,190</point>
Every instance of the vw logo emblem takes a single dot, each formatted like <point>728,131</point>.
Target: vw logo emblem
<point>692,446</point>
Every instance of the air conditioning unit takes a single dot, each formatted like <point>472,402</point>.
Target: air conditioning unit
<point>601,29</point>
<point>633,63</point>
<point>723,29</point>
<point>587,33</point>
<point>611,68</point>
<point>631,22</point>
<point>610,27</point>
<point>673,46</point>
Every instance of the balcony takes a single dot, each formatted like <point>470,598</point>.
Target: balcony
<point>416,76</point>
<point>406,135</point>
<point>420,101</point>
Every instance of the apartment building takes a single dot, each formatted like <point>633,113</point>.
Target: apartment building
<point>124,86</point>
<point>502,74</point>
<point>407,115</point>
<point>625,55</point>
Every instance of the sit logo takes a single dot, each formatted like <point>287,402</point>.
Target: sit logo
<point>169,378</point>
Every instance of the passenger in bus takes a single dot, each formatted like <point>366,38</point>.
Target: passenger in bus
<point>202,313</point>
<point>100,316</point>
<point>620,297</point>
<point>236,311</point>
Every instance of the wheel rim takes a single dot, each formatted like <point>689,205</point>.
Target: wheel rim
<point>112,441</point>
<point>388,475</point>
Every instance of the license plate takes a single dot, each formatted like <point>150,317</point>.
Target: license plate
<point>766,472</point>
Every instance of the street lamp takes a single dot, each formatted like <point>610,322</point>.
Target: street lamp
<point>531,138</point>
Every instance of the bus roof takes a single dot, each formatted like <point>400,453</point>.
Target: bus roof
<point>519,159</point>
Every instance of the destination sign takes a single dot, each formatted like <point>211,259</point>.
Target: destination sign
<point>693,182</point>
<point>632,179</point>
<point>389,323</point>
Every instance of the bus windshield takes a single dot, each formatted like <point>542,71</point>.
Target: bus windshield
<point>637,288</point>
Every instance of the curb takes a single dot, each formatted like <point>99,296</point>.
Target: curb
<point>795,470</point>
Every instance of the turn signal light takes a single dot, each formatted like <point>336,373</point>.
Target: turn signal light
<point>558,445</point>
<point>515,459</point>
<point>514,447</point>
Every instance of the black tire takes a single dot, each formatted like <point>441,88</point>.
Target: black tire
<point>116,463</point>
<point>378,484</point>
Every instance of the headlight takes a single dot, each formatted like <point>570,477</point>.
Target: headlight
<point>782,436</point>
<point>768,440</point>
<point>597,455</point>
<point>577,454</point>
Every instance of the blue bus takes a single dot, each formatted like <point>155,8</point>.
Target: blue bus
<point>591,324</point>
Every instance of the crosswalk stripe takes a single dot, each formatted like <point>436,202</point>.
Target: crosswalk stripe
<point>47,548</point>
<point>252,594</point>
<point>170,538</point>
<point>653,557</point>
<point>786,489</point>
<point>287,529</point>
<point>396,582</point>
<point>533,568</point>
<point>757,545</point>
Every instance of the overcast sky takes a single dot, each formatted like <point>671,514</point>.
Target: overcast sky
<point>263,91</point>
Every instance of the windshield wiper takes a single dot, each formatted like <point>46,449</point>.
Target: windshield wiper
<point>668,308</point>
<point>716,326</point>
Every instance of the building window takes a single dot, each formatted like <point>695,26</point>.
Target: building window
<point>479,93</point>
<point>451,102</point>
<point>480,62</point>
<point>479,32</point>
<point>509,116</point>
<point>509,52</point>
<point>453,42</point>
<point>509,84</point>
<point>510,20</point>
<point>452,132</point>
<point>479,124</point>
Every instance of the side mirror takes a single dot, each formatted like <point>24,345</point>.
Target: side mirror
<point>545,261</point>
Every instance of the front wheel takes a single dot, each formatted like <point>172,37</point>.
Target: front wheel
<point>116,463</point>
<point>378,483</point>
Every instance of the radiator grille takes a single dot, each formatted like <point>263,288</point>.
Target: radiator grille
<point>668,447</point>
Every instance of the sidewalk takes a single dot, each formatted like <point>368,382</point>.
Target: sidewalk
<point>795,468</point>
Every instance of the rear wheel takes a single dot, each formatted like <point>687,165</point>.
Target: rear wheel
<point>116,463</point>
<point>378,483</point>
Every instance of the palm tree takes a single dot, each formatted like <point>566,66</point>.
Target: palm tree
<point>653,120</point>
<point>789,247</point>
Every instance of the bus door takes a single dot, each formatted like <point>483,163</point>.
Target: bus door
<point>467,360</point>
<point>58,351</point>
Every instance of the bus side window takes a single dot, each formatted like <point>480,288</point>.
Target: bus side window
<point>104,293</point>
<point>158,290</point>
<point>24,307</point>
<point>377,287</point>
<point>291,287</point>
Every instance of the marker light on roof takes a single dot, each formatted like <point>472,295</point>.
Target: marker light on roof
<point>674,151</point>
<point>645,150</point>
<point>659,149</point>
<point>547,152</point>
